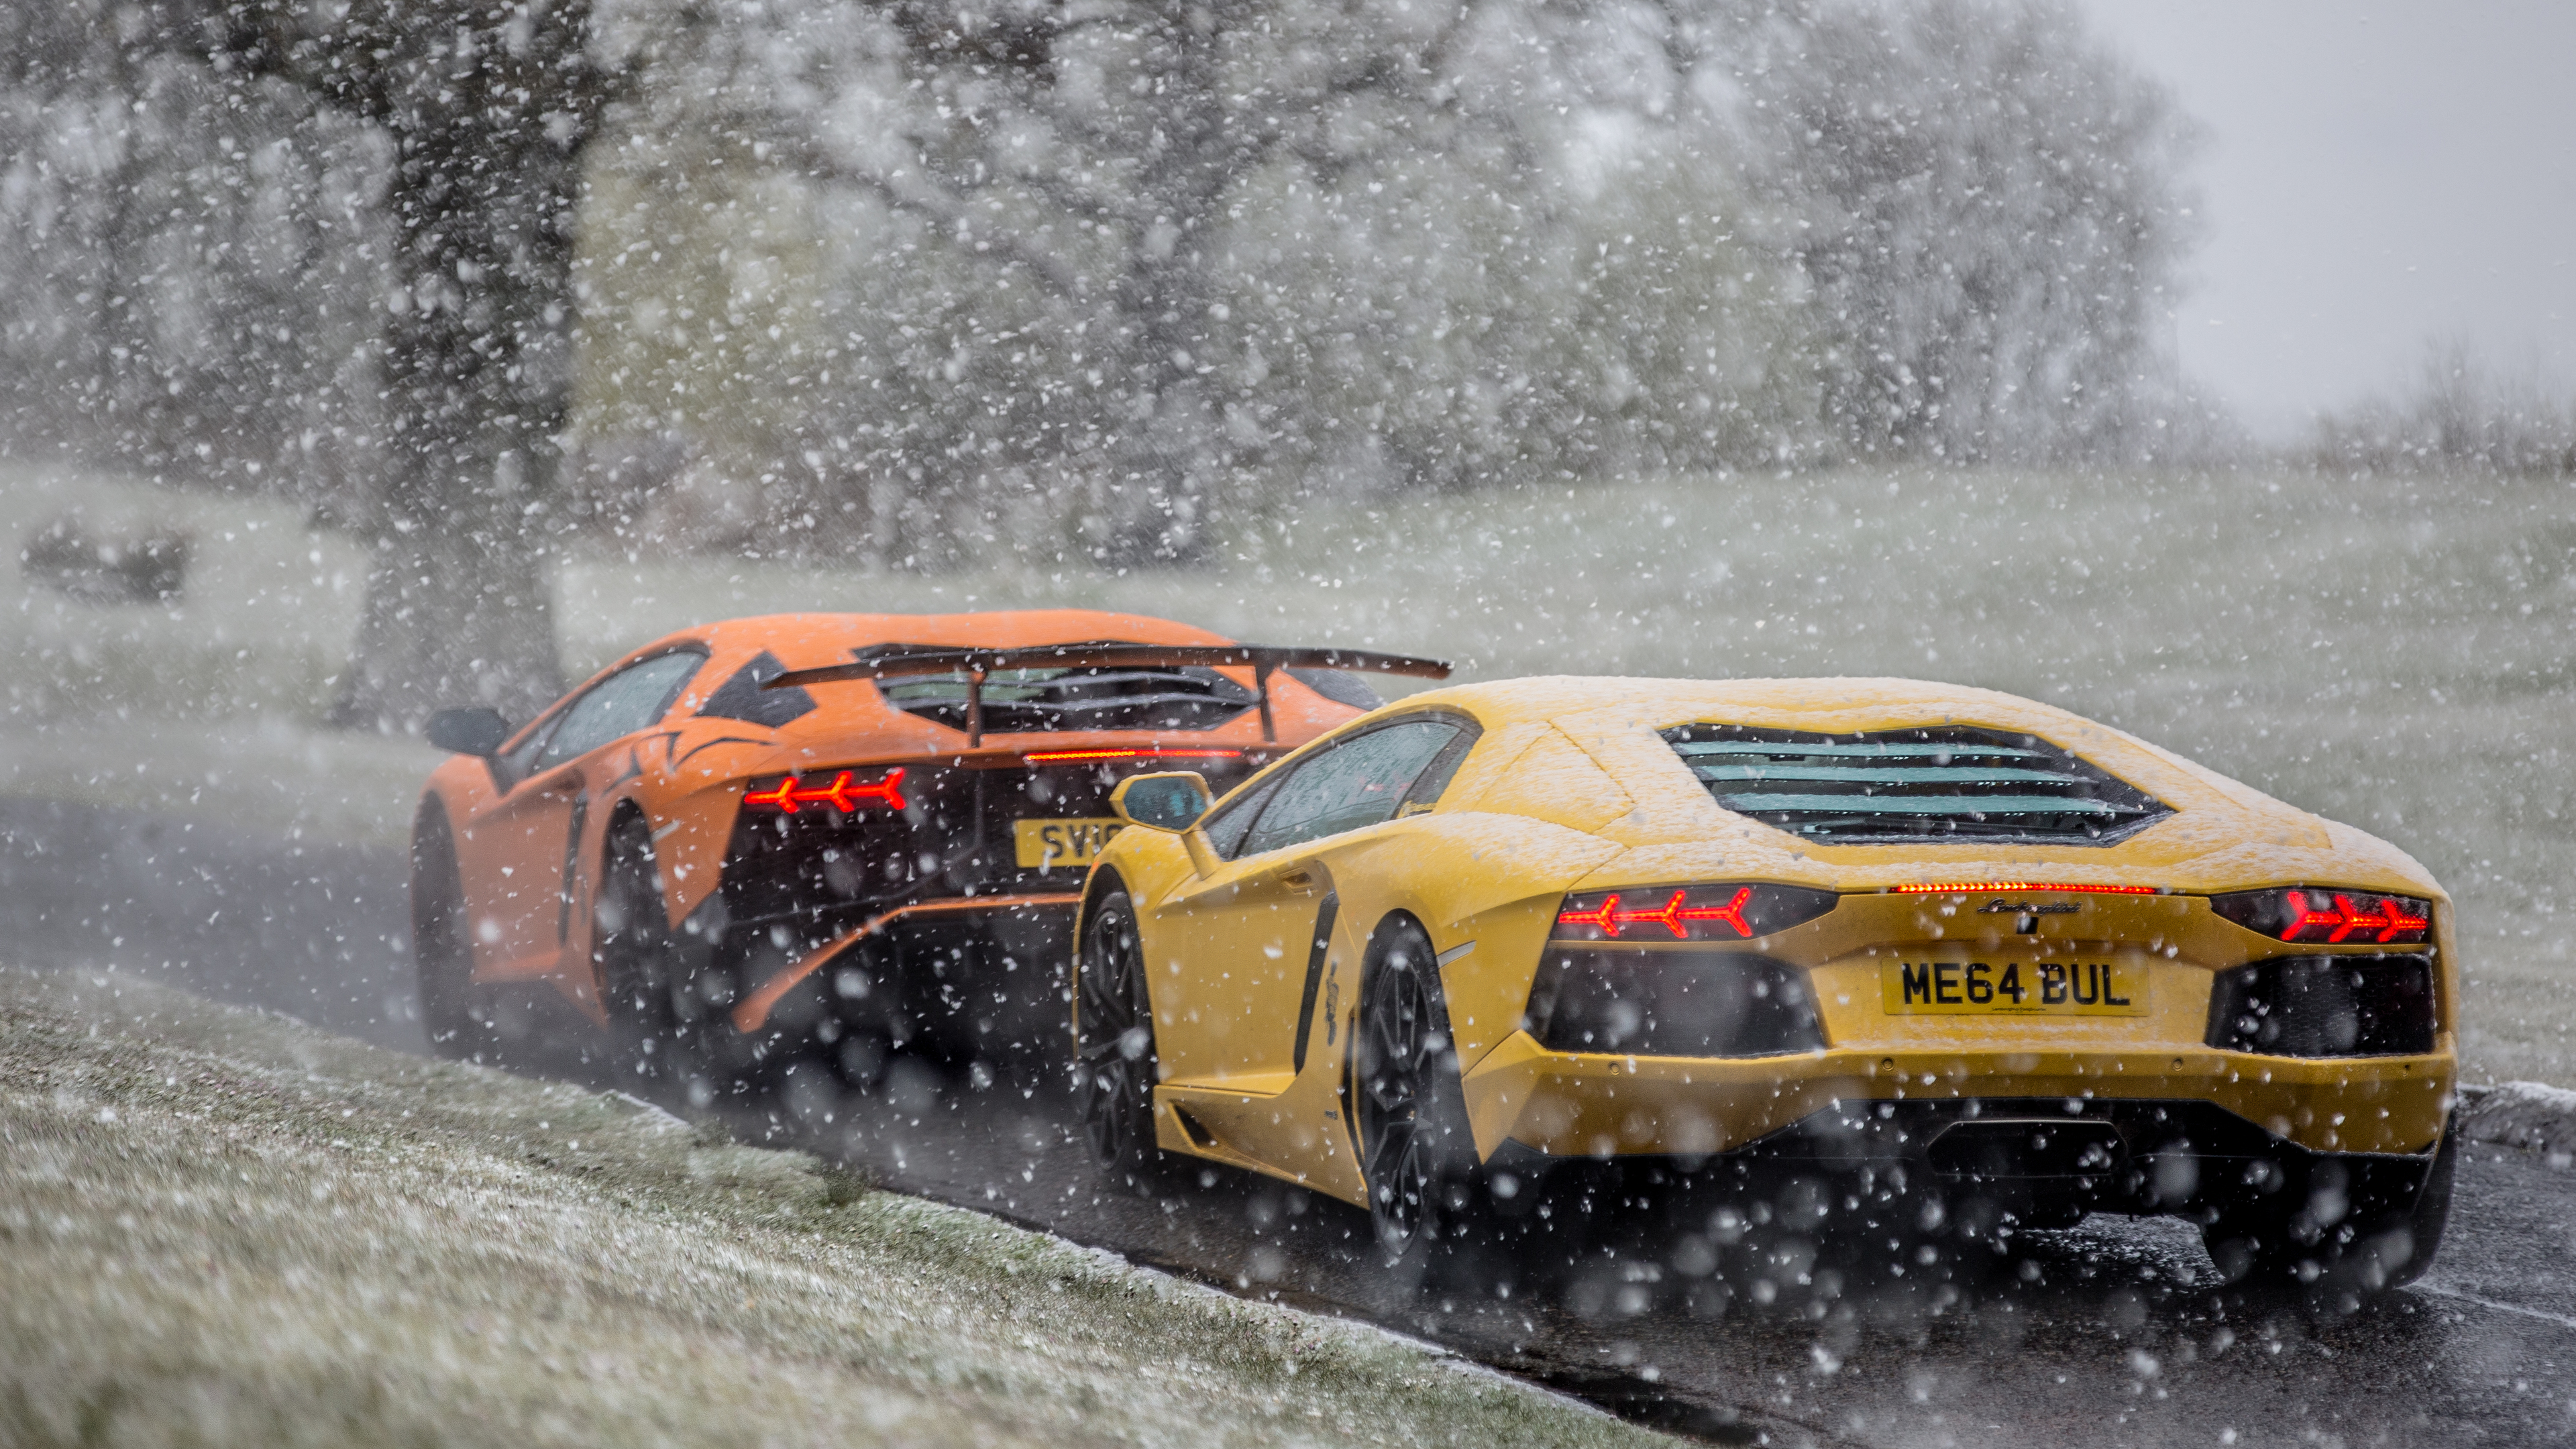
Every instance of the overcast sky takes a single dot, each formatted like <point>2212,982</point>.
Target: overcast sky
<point>2373,175</point>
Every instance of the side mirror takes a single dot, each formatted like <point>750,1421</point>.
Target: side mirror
<point>1172,801</point>
<point>477,732</point>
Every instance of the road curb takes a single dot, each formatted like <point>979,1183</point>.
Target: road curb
<point>2528,1115</point>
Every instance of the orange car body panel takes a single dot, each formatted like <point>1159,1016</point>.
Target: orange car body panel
<point>528,856</point>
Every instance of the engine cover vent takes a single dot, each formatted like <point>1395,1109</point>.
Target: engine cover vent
<point>1025,701</point>
<point>1913,786</point>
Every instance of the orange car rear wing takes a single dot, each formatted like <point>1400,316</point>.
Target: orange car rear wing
<point>905,661</point>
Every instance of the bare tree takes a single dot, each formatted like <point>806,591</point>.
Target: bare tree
<point>488,107</point>
<point>2459,414</point>
<point>1992,220</point>
<point>1132,251</point>
<point>196,264</point>
<point>1132,254</point>
<point>1086,149</point>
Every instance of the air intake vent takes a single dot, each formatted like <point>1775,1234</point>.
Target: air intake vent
<point>1021,701</point>
<point>1912,786</point>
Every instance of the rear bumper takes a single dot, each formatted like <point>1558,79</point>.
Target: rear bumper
<point>1556,1104</point>
<point>978,975</point>
<point>2125,1156</point>
<point>1989,1156</point>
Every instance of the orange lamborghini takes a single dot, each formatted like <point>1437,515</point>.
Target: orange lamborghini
<point>823,836</point>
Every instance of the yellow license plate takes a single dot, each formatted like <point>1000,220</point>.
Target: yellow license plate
<point>2012,988</point>
<point>1047,844</point>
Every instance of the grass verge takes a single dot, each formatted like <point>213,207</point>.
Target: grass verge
<point>220,1227</point>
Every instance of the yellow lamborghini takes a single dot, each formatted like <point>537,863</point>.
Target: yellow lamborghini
<point>1945,952</point>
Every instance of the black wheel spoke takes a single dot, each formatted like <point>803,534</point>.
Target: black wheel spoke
<point>635,949</point>
<point>442,958</point>
<point>1398,1066</point>
<point>1114,1045</point>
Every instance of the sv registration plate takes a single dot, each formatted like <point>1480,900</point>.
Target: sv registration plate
<point>2012,988</point>
<point>1049,844</point>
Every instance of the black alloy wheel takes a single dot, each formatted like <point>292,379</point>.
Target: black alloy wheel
<point>1115,1062</point>
<point>862,1055</point>
<point>1416,1152</point>
<point>442,949</point>
<point>637,956</point>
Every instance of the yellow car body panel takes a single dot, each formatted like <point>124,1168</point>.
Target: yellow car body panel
<point>1569,788</point>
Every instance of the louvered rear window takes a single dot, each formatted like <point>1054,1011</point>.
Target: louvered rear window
<point>1913,786</point>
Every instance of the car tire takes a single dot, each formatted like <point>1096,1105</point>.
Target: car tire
<point>861,1057</point>
<point>1115,1063</point>
<point>453,1015</point>
<point>1417,1154</point>
<point>2375,1251</point>
<point>637,957</point>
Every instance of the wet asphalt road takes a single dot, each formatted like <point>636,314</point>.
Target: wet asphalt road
<point>2111,1333</point>
<point>318,931</point>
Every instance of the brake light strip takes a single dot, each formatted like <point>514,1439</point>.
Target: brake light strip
<point>1077,757</point>
<point>1969,887</point>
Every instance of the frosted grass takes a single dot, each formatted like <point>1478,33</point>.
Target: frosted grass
<point>229,1229</point>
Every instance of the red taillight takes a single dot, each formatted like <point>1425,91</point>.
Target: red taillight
<point>789,793</point>
<point>2336,923</point>
<point>1688,913</point>
<point>1613,917</point>
<point>2325,916</point>
<point>1112,757</point>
